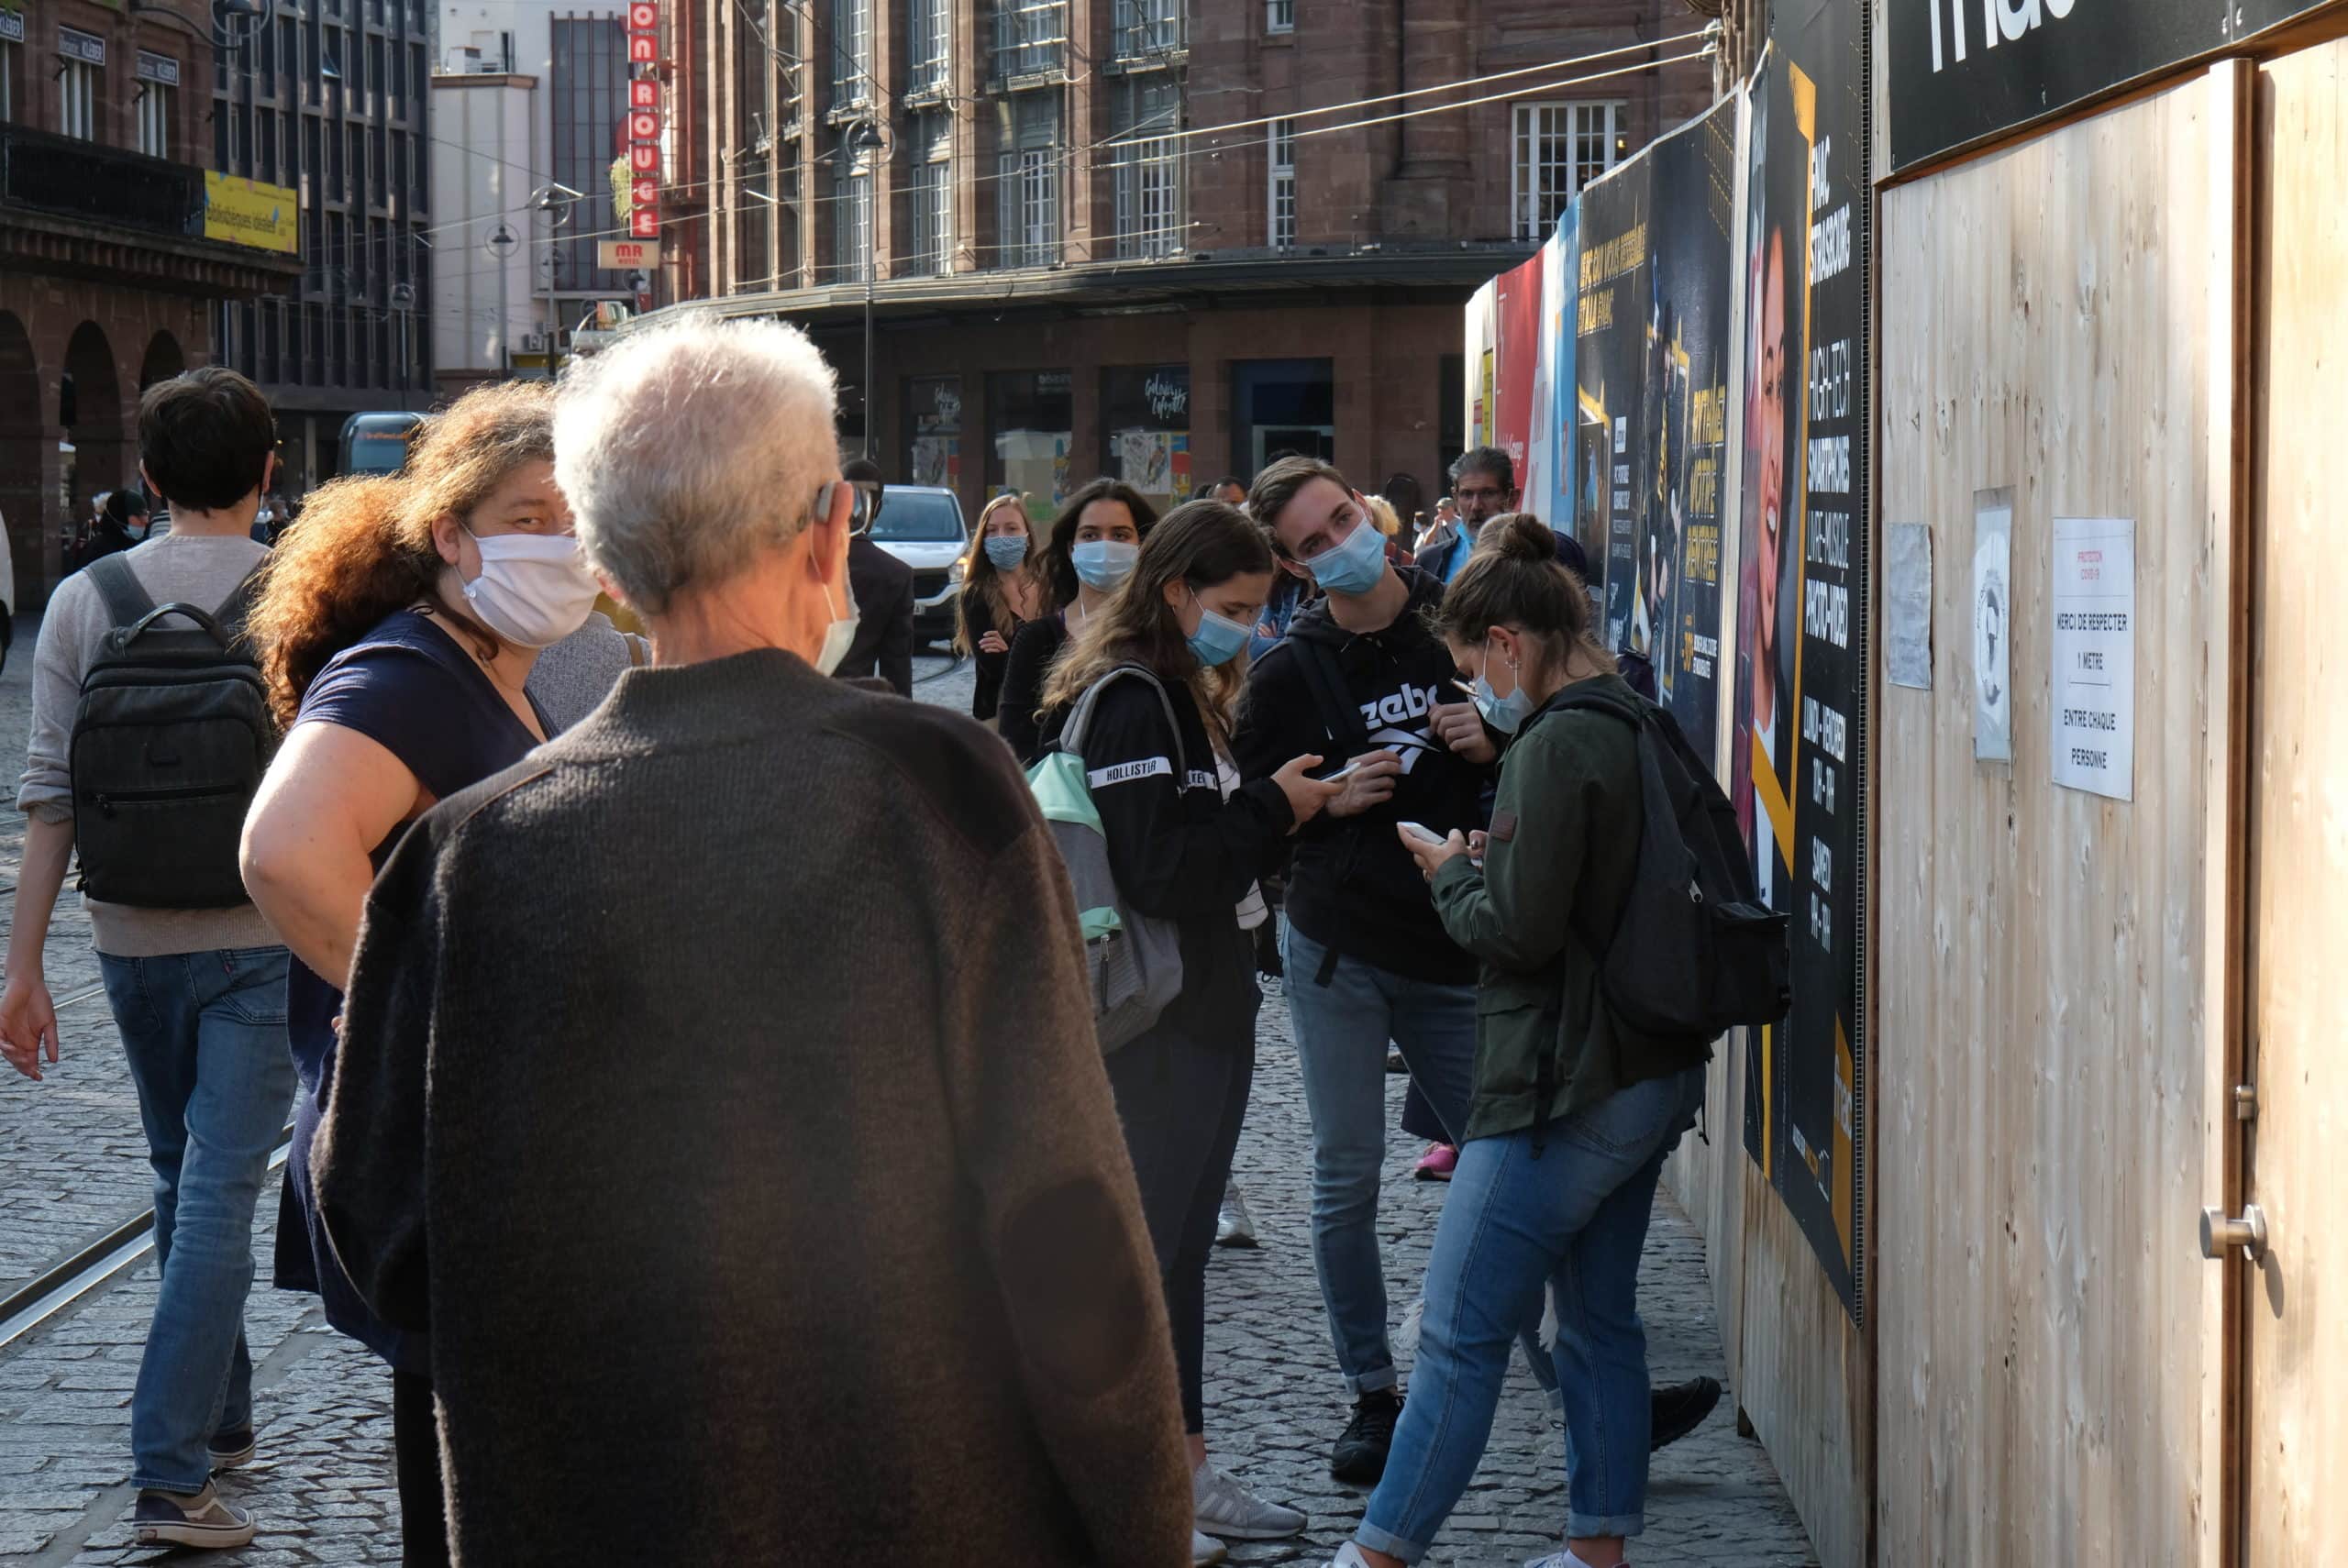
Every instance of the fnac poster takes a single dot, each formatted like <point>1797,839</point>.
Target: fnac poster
<point>1797,761</point>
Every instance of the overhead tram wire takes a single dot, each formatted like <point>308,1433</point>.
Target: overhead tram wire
<point>1069,157</point>
<point>1075,150</point>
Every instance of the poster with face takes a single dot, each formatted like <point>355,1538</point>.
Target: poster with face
<point>1614,300</point>
<point>1800,654</point>
<point>1677,595</point>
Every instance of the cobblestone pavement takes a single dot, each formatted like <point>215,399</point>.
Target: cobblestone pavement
<point>72,1165</point>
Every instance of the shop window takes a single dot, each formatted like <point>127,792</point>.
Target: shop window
<point>1030,416</point>
<point>1145,429</point>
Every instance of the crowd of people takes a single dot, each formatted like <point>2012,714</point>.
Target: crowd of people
<point>696,1057</point>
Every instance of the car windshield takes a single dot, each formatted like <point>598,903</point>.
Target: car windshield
<point>374,453</point>
<point>914,517</point>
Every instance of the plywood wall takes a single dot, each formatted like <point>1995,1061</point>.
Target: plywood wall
<point>2041,1108</point>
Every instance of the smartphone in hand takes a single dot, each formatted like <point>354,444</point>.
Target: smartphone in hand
<point>1422,834</point>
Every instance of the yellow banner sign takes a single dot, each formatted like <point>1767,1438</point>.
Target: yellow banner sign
<point>246,211</point>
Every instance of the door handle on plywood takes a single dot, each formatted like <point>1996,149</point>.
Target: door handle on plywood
<point>2249,1233</point>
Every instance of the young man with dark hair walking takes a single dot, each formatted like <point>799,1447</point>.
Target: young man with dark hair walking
<point>195,977</point>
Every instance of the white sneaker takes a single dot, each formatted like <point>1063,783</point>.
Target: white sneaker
<point>1349,1556</point>
<point>1222,1506</point>
<point>1234,1226</point>
<point>1204,1552</point>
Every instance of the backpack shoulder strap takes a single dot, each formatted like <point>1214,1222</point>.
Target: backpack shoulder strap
<point>1340,720</point>
<point>127,602</point>
<point>1079,718</point>
<point>230,617</point>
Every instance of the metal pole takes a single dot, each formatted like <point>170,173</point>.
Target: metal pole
<point>869,413</point>
<point>502,367</point>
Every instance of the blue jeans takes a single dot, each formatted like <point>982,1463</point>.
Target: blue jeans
<point>1574,1216</point>
<point>205,1036</point>
<point>1341,1031</point>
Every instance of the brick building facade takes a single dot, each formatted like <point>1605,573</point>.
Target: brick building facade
<point>107,281</point>
<point>1146,237</point>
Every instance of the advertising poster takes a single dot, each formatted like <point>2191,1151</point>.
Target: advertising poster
<point>1801,658</point>
<point>2094,686</point>
<point>1614,301</point>
<point>1516,352</point>
<point>1675,614</point>
<point>1478,390</point>
<point>1555,504</point>
<point>1536,475</point>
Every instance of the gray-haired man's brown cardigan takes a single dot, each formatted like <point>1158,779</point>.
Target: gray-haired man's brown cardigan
<point>719,1087</point>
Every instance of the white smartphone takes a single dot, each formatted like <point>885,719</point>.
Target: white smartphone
<point>1422,834</point>
<point>1342,774</point>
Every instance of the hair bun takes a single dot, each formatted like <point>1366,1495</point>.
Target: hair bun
<point>1524,538</point>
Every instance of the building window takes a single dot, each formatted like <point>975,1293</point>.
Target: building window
<point>587,78</point>
<point>1030,36</point>
<point>1147,28</point>
<point>1148,167</point>
<point>933,216</point>
<point>852,219</point>
<point>1560,148</point>
<point>851,52</point>
<point>1031,415</point>
<point>1280,16</point>
<point>1029,190</point>
<point>934,426</point>
<point>1280,213</point>
<point>1146,428</point>
<point>155,119</point>
<point>931,49</point>
<point>78,86</point>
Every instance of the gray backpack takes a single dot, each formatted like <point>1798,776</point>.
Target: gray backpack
<point>1133,960</point>
<point>169,746</point>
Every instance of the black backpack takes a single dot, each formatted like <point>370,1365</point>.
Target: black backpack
<point>170,742</point>
<point>1695,952</point>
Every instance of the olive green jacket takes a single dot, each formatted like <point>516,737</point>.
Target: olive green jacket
<point>1563,847</point>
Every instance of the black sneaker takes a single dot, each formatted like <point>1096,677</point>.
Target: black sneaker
<point>1678,1409</point>
<point>230,1449</point>
<point>1359,1456</point>
<point>203,1521</point>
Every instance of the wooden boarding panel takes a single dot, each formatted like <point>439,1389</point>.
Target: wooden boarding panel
<point>2041,1101</point>
<point>2295,1428</point>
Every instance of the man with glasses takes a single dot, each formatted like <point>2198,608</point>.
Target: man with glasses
<point>1483,486</point>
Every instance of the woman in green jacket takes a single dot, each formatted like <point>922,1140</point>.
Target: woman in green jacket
<point>1572,1117</point>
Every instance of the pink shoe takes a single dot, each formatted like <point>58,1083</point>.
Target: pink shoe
<point>1437,1163</point>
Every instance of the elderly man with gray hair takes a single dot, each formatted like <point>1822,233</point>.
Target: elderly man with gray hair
<point>719,1086</point>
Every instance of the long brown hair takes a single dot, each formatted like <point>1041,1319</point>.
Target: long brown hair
<point>982,581</point>
<point>363,546</point>
<point>1202,544</point>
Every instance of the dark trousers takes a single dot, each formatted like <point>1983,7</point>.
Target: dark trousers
<point>1182,1100</point>
<point>415,1460</point>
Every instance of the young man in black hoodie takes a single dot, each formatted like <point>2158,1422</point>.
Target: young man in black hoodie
<point>1362,677</point>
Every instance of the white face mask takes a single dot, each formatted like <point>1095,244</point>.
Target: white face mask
<point>533,589</point>
<point>839,633</point>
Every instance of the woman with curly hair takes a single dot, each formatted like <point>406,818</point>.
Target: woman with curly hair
<point>1090,549</point>
<point>1003,590</point>
<point>397,624</point>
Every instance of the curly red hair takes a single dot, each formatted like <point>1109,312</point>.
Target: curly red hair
<point>363,546</point>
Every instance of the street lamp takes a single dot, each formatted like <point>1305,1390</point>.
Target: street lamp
<point>866,143</point>
<point>501,243</point>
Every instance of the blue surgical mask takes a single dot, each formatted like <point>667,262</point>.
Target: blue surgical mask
<point>1007,550</point>
<point>1102,564</point>
<point>1507,714</point>
<point>1218,639</point>
<point>1354,564</point>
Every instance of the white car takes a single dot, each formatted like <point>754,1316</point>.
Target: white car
<point>922,526</point>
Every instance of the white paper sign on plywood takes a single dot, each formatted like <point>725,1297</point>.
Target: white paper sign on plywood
<point>2094,688</point>
<point>1993,697</point>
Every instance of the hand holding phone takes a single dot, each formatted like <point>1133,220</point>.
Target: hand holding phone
<point>1418,831</point>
